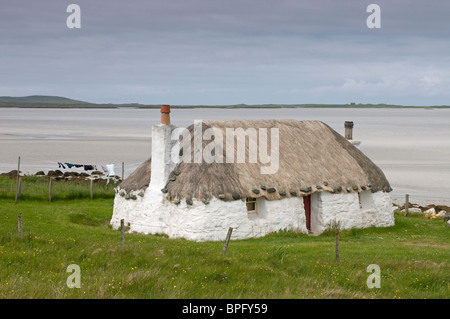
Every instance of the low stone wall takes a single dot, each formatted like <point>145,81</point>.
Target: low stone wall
<point>68,176</point>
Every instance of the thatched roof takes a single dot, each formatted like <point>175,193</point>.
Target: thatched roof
<point>139,179</point>
<point>312,157</point>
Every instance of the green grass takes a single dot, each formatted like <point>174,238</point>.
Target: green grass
<point>37,188</point>
<point>413,256</point>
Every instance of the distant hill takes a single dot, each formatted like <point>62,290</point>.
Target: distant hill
<point>40,99</point>
<point>46,101</point>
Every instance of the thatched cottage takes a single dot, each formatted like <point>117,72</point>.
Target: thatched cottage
<point>319,178</point>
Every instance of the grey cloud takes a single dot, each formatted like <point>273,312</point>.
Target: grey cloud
<point>219,51</point>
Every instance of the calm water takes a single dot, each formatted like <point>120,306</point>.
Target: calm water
<point>412,146</point>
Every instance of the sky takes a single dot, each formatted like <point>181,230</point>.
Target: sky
<point>218,52</point>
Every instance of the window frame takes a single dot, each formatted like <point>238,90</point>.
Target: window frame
<point>251,201</point>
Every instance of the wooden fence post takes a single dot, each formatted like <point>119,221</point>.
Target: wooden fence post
<point>19,226</point>
<point>406,204</point>
<point>227,240</point>
<point>20,186</point>
<point>50,189</point>
<point>337,243</point>
<point>17,180</point>
<point>122,231</point>
<point>123,170</point>
<point>92,189</point>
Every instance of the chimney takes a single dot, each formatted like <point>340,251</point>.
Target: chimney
<point>348,130</point>
<point>349,133</point>
<point>162,144</point>
<point>165,114</point>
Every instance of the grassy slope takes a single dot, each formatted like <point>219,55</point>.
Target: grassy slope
<point>413,256</point>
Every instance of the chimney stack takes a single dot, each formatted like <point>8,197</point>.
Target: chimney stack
<point>165,114</point>
<point>348,130</point>
<point>162,145</point>
<point>349,133</point>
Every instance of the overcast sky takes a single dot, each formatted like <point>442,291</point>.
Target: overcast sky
<point>211,52</point>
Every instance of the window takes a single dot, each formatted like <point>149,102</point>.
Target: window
<point>366,203</point>
<point>251,205</point>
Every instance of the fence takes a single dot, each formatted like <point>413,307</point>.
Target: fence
<point>54,188</point>
<point>68,185</point>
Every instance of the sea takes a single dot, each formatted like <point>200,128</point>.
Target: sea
<point>410,145</point>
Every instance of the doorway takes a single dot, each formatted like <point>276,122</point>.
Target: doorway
<point>307,206</point>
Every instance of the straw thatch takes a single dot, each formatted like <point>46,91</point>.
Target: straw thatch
<point>312,157</point>
<point>139,179</point>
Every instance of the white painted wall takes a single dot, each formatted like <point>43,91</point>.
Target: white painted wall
<point>384,209</point>
<point>153,214</point>
<point>376,210</point>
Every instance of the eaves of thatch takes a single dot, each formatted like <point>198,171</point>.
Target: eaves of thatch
<point>139,179</point>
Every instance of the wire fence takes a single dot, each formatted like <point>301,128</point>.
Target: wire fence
<point>63,181</point>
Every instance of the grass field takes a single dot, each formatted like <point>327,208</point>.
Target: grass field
<point>413,257</point>
<point>37,188</point>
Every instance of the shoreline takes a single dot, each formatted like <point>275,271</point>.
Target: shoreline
<point>424,205</point>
